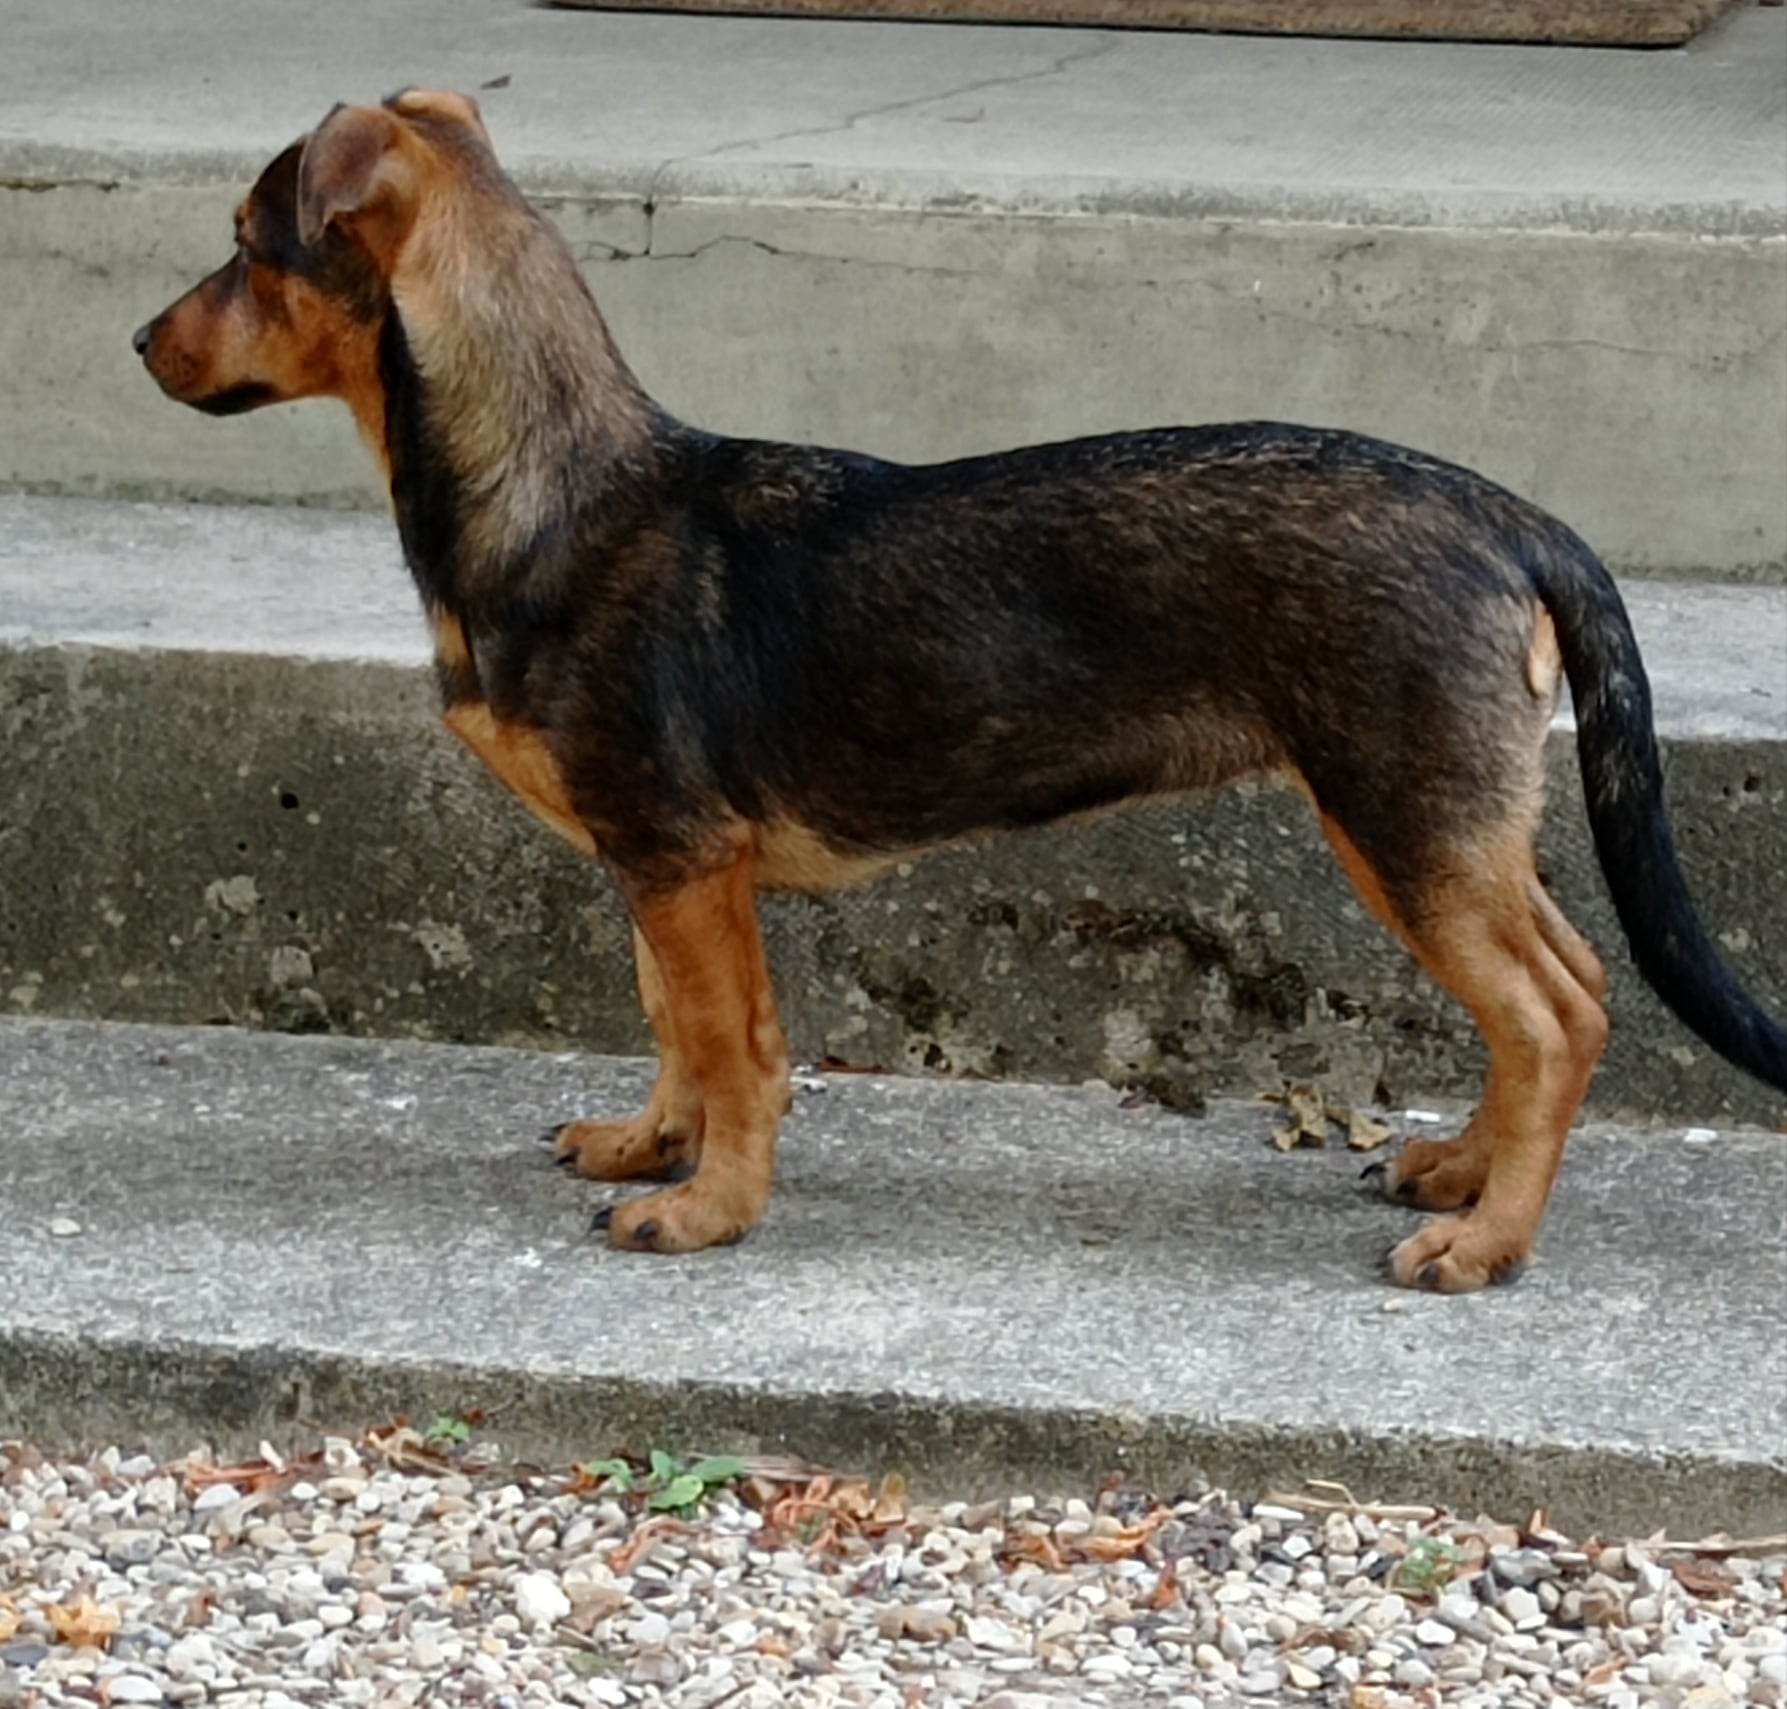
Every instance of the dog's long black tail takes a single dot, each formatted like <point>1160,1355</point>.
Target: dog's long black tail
<point>1616,744</point>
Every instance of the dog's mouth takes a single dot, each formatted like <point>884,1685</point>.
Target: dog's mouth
<point>185,377</point>
<point>235,400</point>
<point>177,379</point>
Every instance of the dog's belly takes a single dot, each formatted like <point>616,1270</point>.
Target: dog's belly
<point>865,803</point>
<point>837,841</point>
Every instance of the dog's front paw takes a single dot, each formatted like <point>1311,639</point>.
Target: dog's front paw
<point>1434,1174</point>
<point>1459,1255</point>
<point>623,1151</point>
<point>703,1212</point>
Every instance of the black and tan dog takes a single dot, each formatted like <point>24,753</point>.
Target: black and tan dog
<point>721,665</point>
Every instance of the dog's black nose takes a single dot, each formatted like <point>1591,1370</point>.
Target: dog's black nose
<point>139,340</point>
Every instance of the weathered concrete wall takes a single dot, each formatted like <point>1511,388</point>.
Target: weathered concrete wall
<point>1632,383</point>
<point>198,837</point>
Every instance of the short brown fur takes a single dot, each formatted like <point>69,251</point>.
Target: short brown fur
<point>722,665</point>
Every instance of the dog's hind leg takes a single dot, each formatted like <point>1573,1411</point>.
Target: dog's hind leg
<point>663,1142</point>
<point>721,1014</point>
<point>1480,924</point>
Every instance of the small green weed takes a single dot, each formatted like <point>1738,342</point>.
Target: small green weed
<point>1428,1567</point>
<point>669,1485</point>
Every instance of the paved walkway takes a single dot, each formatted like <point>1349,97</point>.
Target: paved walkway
<point>1429,133</point>
<point>969,1281</point>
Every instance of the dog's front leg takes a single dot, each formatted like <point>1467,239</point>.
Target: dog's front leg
<point>721,1012</point>
<point>664,1139</point>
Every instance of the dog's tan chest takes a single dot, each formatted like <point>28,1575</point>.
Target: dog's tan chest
<point>520,760</point>
<point>515,754</point>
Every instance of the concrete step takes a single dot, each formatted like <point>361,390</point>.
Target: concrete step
<point>1565,268</point>
<point>976,1284</point>
<point>227,797</point>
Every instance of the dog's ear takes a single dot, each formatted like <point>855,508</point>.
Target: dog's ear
<point>356,168</point>
<point>446,104</point>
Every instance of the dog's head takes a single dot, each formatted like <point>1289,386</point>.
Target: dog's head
<point>295,311</point>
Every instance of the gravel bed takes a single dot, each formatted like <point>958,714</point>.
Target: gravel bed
<point>383,1571</point>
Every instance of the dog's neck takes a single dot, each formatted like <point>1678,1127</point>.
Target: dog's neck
<point>508,411</point>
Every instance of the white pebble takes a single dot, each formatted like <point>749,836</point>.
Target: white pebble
<point>539,1600</point>
<point>133,1688</point>
<point>649,1630</point>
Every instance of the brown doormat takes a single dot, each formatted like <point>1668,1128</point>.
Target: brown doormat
<point>1600,23</point>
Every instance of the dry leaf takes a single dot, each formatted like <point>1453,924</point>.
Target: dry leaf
<point>1308,1125</point>
<point>890,1501</point>
<point>639,1545</point>
<point>828,1509</point>
<point>86,1622</point>
<point>1126,1543</point>
<point>9,1619</point>
<point>1492,1532</point>
<point>1703,1578</point>
<point>1363,1133</point>
<point>405,1448</point>
<point>251,1477</point>
<point>1034,1546</point>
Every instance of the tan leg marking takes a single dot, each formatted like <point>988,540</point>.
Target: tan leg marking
<point>1566,943</point>
<point>520,760</point>
<point>1489,943</point>
<point>722,1013</point>
<point>666,1135</point>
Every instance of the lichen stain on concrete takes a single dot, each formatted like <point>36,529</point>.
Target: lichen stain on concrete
<point>239,895</point>
<point>1168,1000</point>
<point>445,947</point>
<point>288,965</point>
<point>1129,1044</point>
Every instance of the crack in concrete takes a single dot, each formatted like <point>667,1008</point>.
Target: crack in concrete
<point>1057,67</point>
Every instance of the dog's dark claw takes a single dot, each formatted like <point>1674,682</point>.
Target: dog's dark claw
<point>550,1136</point>
<point>1428,1276</point>
<point>1372,1170</point>
<point>567,1161</point>
<point>645,1236</point>
<point>601,1219</point>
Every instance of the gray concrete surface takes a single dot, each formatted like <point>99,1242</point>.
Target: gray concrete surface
<point>1563,267</point>
<point>227,798</point>
<point>643,104</point>
<point>975,1284</point>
